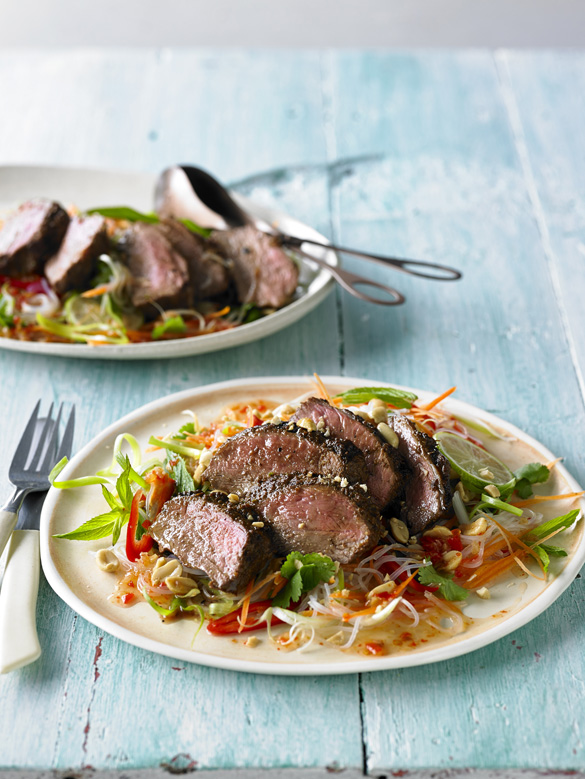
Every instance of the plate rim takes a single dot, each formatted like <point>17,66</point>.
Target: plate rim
<point>195,345</point>
<point>462,646</point>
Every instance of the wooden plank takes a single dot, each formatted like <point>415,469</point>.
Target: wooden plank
<point>113,705</point>
<point>544,97</point>
<point>450,187</point>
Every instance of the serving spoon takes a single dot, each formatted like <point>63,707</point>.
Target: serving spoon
<point>186,192</point>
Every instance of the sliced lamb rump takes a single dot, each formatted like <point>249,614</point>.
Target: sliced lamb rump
<point>30,236</point>
<point>428,490</point>
<point>207,268</point>
<point>76,261</point>
<point>259,452</point>
<point>206,531</point>
<point>312,514</point>
<point>160,274</point>
<point>385,465</point>
<point>264,274</point>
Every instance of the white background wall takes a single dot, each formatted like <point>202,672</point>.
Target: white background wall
<point>280,23</point>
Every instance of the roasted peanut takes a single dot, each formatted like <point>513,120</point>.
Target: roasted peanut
<point>107,560</point>
<point>439,531</point>
<point>164,568</point>
<point>399,530</point>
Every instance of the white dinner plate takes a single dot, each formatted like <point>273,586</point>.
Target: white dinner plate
<point>92,189</point>
<point>71,570</point>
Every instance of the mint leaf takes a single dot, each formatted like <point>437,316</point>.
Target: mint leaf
<point>397,398</point>
<point>552,525</point>
<point>544,558</point>
<point>178,471</point>
<point>304,573</point>
<point>554,551</point>
<point>448,590</point>
<point>98,527</point>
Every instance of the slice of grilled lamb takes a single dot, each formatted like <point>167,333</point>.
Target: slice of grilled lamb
<point>312,514</point>
<point>30,236</point>
<point>266,450</point>
<point>385,465</point>
<point>206,531</point>
<point>207,269</point>
<point>263,273</point>
<point>160,274</point>
<point>428,490</point>
<point>76,261</point>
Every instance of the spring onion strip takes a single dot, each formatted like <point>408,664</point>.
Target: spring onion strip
<point>136,454</point>
<point>460,510</point>
<point>84,481</point>
<point>185,451</point>
<point>500,504</point>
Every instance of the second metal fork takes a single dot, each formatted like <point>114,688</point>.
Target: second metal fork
<point>32,463</point>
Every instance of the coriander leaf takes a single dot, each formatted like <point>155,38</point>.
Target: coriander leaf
<point>174,324</point>
<point>529,474</point>
<point>292,591</point>
<point>290,567</point>
<point>304,573</point>
<point>448,590</point>
<point>178,471</point>
<point>98,527</point>
<point>524,488</point>
<point>397,398</point>
<point>189,428</point>
<point>124,212</point>
<point>536,473</point>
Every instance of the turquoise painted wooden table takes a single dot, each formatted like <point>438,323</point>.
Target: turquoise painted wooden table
<point>473,159</point>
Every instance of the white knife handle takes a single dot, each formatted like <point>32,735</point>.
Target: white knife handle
<point>7,524</point>
<point>19,643</point>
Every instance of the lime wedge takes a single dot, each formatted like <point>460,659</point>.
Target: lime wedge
<point>476,467</point>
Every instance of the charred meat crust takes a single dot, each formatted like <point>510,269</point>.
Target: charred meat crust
<point>30,236</point>
<point>385,465</point>
<point>160,274</point>
<point>428,490</point>
<point>207,269</point>
<point>263,273</point>
<point>315,514</point>
<point>75,262</point>
<point>259,452</point>
<point>208,532</point>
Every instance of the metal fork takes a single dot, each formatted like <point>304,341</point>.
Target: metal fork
<point>38,450</point>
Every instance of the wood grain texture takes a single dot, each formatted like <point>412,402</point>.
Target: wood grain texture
<point>467,158</point>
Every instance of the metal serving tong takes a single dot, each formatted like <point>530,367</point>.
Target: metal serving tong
<point>187,192</point>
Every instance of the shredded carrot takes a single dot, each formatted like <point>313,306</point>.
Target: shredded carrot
<point>424,427</point>
<point>363,613</point>
<point>217,314</point>
<point>520,543</point>
<point>93,293</point>
<point>404,584</point>
<point>542,498</point>
<point>245,607</point>
<point>436,401</point>
<point>552,463</point>
<point>323,392</point>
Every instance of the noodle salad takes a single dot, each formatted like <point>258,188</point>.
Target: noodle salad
<point>406,591</point>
